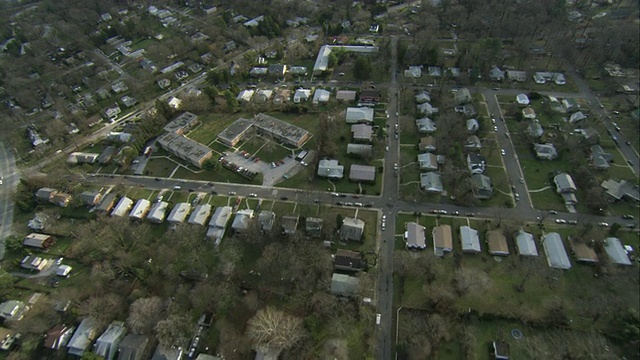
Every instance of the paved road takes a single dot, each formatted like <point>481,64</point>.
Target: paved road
<point>9,184</point>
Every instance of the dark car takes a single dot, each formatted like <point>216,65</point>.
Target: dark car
<point>158,179</point>
<point>284,198</point>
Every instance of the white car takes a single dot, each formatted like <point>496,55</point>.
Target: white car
<point>603,224</point>
<point>384,217</point>
<point>253,195</point>
<point>386,148</point>
<point>395,166</point>
<point>561,221</point>
<point>503,152</point>
<point>495,128</point>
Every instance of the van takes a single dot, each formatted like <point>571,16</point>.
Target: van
<point>177,187</point>
<point>378,319</point>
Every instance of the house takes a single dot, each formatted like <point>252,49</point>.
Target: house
<point>300,71</point>
<point>107,344</point>
<point>277,70</point>
<point>454,72</point>
<point>370,96</point>
<point>497,243</point>
<point>13,310</point>
<point>58,337</point>
<point>415,237</point>
<point>462,96</point>
<point>107,154</point>
<point>554,250</point>
<point>495,74</point>
<point>200,214</point>
<point>91,198</point>
<point>434,71</point>
<point>422,97</point>
<point>431,182</point>
<point>158,212</point>
<point>616,251</point>
<point>621,190</point>
<point>351,229</point>
<point>470,240</point>
<point>344,285</point>
<point>525,244</point>
<point>301,95</point>
<point>39,241</point>
<point>122,207</point>
<point>34,263</point>
<point>535,130</point>
<point>362,132</point>
<point>133,347</point>
<point>346,95</point>
<point>473,143</point>
<point>359,114</point>
<point>167,353</point>
<point>218,223</point>
<point>413,71</point>
<point>82,158</point>
<point>472,126</point>
<point>482,187</point>
<point>330,169</point>
<point>128,101</point>
<point>38,222</point>
<point>476,163</point>
<point>425,126</point>
<point>559,79</point>
<point>63,270</point>
<point>522,99</point>
<point>321,96</point>
<point>282,96</point>
<point>289,224</point>
<point>46,193</point>
<point>313,226</point>
<point>360,149</point>
<point>266,219</point>
<point>258,71</point>
<point>466,109</point>
<point>545,151</point>
<point>570,105</point>
<point>442,240</point>
<point>427,162</point>
<point>564,183</point>
<point>516,75</point>
<point>82,338</point>
<point>426,109</point>
<point>599,159</point>
<point>179,213</point>
<point>347,260</point>
<point>427,143</point>
<point>529,113</point>
<point>245,95</point>
<point>242,220</point>
<point>140,209</point>
<point>107,203</point>
<point>362,173</point>
<point>581,251</point>
<point>500,350</point>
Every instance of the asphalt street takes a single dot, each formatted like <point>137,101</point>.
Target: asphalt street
<point>9,184</point>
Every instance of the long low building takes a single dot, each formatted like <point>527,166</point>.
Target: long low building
<point>554,250</point>
<point>122,207</point>
<point>218,223</point>
<point>200,214</point>
<point>185,148</point>
<point>158,212</point>
<point>140,209</point>
<point>179,213</point>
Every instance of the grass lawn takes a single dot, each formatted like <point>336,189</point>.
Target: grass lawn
<point>159,167</point>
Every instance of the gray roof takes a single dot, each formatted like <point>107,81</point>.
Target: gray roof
<point>133,347</point>
<point>351,229</point>
<point>535,129</point>
<point>545,151</point>
<point>362,173</point>
<point>107,344</point>
<point>431,181</point>
<point>425,125</point>
<point>415,236</point>
<point>361,149</point>
<point>469,239</point>
<point>220,217</point>
<point>357,114</point>
<point>330,169</point>
<point>179,213</point>
<point>266,219</point>
<point>158,212</point>
<point>556,253</point>
<point>427,161</point>
<point>242,220</point>
<point>82,338</point>
<point>362,132</point>
<point>615,251</point>
<point>200,214</point>
<point>140,209</point>
<point>526,244</point>
<point>181,123</point>
<point>167,353</point>
<point>564,183</point>
<point>621,189</point>
<point>344,285</point>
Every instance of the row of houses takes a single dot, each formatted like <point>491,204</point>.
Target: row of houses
<point>552,243</point>
<point>283,95</point>
<point>331,168</point>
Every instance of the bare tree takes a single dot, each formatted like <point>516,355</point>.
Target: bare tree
<point>175,330</point>
<point>144,313</point>
<point>468,281</point>
<point>102,308</point>
<point>275,329</point>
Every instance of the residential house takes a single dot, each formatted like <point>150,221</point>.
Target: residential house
<point>359,114</point>
<point>599,159</point>
<point>434,71</point>
<point>58,337</point>
<point>167,353</point>
<point>497,243</point>
<point>581,251</point>
<point>258,71</point>
<point>266,219</point>
<point>467,109</point>
<point>347,260</point>
<point>179,213</point>
<point>313,226</point>
<point>351,229</point>
<point>39,221</point>
<point>422,97</point>
<point>427,143</point>
<point>431,182</point>
<point>482,187</point>
<point>140,209</point>
<point>495,74</point>
<point>362,132</point>
<point>362,173</point>
<point>529,113</point>
<point>300,71</point>
<point>535,130</point>
<point>413,71</point>
<point>616,251</point>
<point>576,117</point>
<point>344,285</point>
<point>525,244</point>
<point>200,214</point>
<point>522,99</point>
<point>473,143</point>
<point>301,95</point>
<point>46,193</point>
<point>82,158</point>
<point>472,126</point>
<point>13,310</point>
<point>621,190</point>
<point>554,250</point>
<point>107,344</point>
<point>158,212</point>
<point>107,203</point>
<point>470,240</point>
<point>346,95</point>
<point>462,96</point>
<point>39,241</point>
<point>242,220</point>
<point>427,162</point>
<point>559,79</point>
<point>442,240</point>
<point>218,223</point>
<point>282,96</point>
<point>415,236</point>
<point>176,103</point>
<point>91,197</point>
<point>515,75</point>
<point>133,347</point>
<point>277,70</point>
<point>426,109</point>
<point>289,224</point>
<point>426,126</point>
<point>82,338</point>
<point>565,186</point>
<point>545,151</point>
<point>107,154</point>
<point>570,105</point>
<point>122,207</point>
<point>476,163</point>
<point>245,95</point>
<point>370,96</point>
<point>321,96</point>
<point>360,149</point>
<point>454,72</point>
<point>330,169</point>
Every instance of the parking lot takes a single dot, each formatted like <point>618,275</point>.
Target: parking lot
<point>271,172</point>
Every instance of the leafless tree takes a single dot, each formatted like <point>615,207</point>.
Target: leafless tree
<point>144,313</point>
<point>102,308</point>
<point>275,329</point>
<point>174,330</point>
<point>471,281</point>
